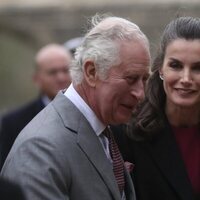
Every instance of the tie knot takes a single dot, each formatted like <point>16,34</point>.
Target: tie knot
<point>107,132</point>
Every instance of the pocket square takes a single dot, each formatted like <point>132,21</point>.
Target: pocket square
<point>129,166</point>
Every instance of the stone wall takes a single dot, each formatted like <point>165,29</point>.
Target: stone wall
<point>23,30</point>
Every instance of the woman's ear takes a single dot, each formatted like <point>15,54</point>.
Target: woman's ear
<point>90,73</point>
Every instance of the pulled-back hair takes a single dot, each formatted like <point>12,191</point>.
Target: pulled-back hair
<point>149,116</point>
<point>101,45</point>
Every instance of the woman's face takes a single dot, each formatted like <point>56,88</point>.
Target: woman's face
<point>181,73</point>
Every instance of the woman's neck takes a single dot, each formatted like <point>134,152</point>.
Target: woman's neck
<point>182,117</point>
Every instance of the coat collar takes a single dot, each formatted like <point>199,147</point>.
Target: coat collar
<point>87,140</point>
<point>167,157</point>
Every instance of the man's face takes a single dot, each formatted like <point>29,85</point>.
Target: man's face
<point>116,97</point>
<point>53,74</point>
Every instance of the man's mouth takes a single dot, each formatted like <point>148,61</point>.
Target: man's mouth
<point>129,107</point>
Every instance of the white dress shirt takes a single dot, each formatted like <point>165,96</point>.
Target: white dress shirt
<point>95,123</point>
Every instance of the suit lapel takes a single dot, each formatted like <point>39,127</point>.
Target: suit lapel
<point>167,157</point>
<point>94,151</point>
<point>129,188</point>
<point>87,141</point>
<point>91,146</point>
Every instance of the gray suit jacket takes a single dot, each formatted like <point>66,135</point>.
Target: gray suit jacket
<point>57,156</point>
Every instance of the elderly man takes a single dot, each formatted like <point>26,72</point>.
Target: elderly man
<point>67,151</point>
<point>51,75</point>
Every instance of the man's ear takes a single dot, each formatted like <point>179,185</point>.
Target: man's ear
<point>90,73</point>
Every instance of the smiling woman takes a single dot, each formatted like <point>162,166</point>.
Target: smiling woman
<point>164,142</point>
<point>181,74</point>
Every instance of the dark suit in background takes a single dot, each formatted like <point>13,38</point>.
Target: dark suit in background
<point>13,122</point>
<point>10,191</point>
<point>51,60</point>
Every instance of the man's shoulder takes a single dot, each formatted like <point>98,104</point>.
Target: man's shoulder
<point>55,121</point>
<point>48,129</point>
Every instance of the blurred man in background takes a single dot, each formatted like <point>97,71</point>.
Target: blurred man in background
<point>73,43</point>
<point>51,75</point>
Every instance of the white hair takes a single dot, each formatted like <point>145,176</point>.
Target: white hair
<point>101,45</point>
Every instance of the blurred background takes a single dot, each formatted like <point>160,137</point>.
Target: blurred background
<point>27,25</point>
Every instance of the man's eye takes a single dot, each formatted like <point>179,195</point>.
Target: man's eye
<point>54,72</point>
<point>145,80</point>
<point>51,72</point>
<point>131,80</point>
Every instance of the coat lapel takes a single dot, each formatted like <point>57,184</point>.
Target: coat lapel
<point>91,146</point>
<point>87,141</point>
<point>166,155</point>
<point>94,151</point>
<point>129,188</point>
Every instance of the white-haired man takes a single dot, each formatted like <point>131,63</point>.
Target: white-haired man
<point>63,153</point>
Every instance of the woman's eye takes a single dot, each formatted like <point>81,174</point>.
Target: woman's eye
<point>175,65</point>
<point>196,68</point>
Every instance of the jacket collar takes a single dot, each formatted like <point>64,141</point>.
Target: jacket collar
<point>87,140</point>
<point>167,157</point>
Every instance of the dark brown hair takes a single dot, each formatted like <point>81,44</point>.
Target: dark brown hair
<point>149,116</point>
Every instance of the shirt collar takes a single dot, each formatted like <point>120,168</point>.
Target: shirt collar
<point>45,100</point>
<point>83,107</point>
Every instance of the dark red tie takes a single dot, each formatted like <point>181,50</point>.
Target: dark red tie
<point>118,163</point>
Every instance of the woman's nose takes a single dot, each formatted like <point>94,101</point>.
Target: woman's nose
<point>186,77</point>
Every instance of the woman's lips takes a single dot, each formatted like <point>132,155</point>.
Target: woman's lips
<point>185,91</point>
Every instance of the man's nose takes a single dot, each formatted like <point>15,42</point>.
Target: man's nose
<point>62,75</point>
<point>138,90</point>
